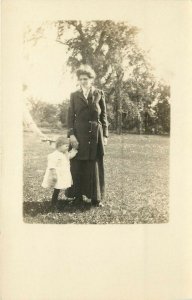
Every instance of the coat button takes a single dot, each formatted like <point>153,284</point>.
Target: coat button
<point>89,130</point>
<point>89,142</point>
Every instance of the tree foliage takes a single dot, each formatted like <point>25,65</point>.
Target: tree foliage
<point>101,44</point>
<point>122,68</point>
<point>62,112</point>
<point>44,114</point>
<point>135,98</point>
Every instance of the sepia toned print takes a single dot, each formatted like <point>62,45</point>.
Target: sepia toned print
<point>138,244</point>
<point>108,104</point>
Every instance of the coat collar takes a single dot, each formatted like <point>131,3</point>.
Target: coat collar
<point>92,91</point>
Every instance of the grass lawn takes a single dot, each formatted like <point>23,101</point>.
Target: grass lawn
<point>137,181</point>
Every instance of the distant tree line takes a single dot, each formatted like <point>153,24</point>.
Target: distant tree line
<point>47,115</point>
<point>154,120</point>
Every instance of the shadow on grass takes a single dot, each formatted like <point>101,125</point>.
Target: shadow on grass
<point>34,208</point>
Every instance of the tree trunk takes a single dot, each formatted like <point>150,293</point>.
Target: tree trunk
<point>119,119</point>
<point>119,107</point>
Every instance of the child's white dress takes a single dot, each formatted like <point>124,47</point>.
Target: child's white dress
<point>60,162</point>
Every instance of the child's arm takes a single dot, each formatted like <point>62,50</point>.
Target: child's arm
<point>72,153</point>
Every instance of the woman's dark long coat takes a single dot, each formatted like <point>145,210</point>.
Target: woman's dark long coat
<point>87,120</point>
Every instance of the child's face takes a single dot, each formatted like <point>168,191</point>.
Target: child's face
<point>63,148</point>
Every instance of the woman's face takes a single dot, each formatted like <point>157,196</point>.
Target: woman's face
<point>85,81</point>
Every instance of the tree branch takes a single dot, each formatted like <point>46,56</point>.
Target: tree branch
<point>108,77</point>
<point>60,42</point>
<point>78,27</point>
<point>101,42</point>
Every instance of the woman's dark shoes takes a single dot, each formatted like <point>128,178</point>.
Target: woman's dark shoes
<point>79,199</point>
<point>97,204</point>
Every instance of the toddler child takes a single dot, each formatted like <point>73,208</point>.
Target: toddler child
<point>58,174</point>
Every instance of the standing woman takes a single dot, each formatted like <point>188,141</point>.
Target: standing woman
<point>88,132</point>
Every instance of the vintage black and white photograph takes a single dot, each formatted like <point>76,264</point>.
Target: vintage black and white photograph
<point>96,147</point>
<point>96,123</point>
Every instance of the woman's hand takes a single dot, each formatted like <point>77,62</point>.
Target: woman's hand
<point>74,142</point>
<point>105,141</point>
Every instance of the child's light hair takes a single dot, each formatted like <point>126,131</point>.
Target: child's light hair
<point>60,141</point>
